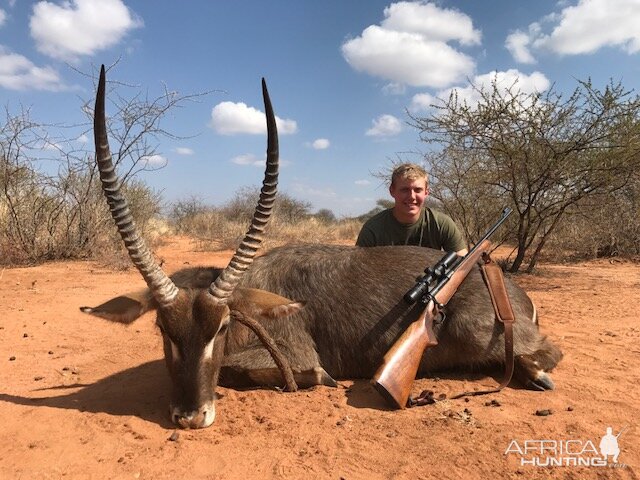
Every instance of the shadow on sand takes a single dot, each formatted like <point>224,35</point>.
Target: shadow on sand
<point>141,391</point>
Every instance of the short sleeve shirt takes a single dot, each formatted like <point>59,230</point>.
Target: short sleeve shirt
<point>433,229</point>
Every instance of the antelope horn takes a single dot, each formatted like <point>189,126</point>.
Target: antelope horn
<point>161,286</point>
<point>223,286</point>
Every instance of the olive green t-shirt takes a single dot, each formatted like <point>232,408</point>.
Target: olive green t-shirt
<point>433,229</point>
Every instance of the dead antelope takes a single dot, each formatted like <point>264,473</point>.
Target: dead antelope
<point>353,310</point>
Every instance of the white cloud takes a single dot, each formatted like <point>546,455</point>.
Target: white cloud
<point>362,183</point>
<point>434,23</point>
<point>3,17</point>
<point>82,139</point>
<point>255,161</point>
<point>384,126</point>
<point>410,46</point>
<point>154,160</point>
<point>593,24</point>
<point>511,79</point>
<point>312,191</point>
<point>421,102</point>
<point>321,144</point>
<point>75,28</point>
<point>51,146</point>
<point>229,118</point>
<point>518,45</point>
<point>394,89</point>
<point>583,28</point>
<point>19,73</point>
<point>184,151</point>
<point>248,159</point>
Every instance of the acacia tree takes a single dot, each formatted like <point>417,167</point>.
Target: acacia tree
<point>539,153</point>
<point>286,209</point>
<point>58,211</point>
<point>604,225</point>
<point>27,204</point>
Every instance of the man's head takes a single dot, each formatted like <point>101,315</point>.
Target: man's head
<point>409,188</point>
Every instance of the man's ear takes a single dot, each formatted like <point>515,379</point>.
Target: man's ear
<point>263,304</point>
<point>125,308</point>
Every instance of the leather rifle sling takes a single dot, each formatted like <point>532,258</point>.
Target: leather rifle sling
<point>492,274</point>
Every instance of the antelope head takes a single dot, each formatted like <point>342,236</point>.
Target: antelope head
<point>193,321</point>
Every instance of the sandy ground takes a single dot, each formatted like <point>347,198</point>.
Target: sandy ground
<point>83,398</point>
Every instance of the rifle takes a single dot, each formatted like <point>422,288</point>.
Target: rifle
<point>394,378</point>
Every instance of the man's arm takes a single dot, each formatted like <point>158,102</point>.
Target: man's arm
<point>452,238</point>
<point>454,241</point>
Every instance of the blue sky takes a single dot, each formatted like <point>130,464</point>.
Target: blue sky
<point>341,73</point>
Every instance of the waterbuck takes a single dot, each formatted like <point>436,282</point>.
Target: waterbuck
<point>333,311</point>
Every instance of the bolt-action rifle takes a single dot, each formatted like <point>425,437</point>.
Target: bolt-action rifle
<point>394,378</point>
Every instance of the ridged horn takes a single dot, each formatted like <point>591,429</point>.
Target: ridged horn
<point>223,286</point>
<point>161,286</point>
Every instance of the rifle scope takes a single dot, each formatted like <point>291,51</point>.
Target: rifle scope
<point>421,287</point>
<point>445,267</point>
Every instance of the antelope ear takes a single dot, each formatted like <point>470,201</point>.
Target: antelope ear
<point>260,303</point>
<point>125,308</point>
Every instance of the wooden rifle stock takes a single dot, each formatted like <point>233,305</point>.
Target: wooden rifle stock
<point>394,378</point>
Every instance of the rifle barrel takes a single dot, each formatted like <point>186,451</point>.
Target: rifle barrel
<point>506,211</point>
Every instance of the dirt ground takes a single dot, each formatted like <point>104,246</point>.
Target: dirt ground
<point>82,398</point>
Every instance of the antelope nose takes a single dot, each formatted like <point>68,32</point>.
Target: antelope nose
<point>192,419</point>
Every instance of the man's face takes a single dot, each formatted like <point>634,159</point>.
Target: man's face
<point>409,196</point>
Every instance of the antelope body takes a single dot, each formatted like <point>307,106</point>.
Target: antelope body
<point>346,312</point>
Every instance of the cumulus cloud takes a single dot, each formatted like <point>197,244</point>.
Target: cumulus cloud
<point>248,159</point>
<point>19,73</point>
<point>76,28</point>
<point>593,24</point>
<point>410,46</point>
<point>431,21</point>
<point>229,118</point>
<point>511,79</point>
<point>421,102</point>
<point>3,17</point>
<point>582,29</point>
<point>385,126</point>
<point>321,144</point>
<point>82,139</point>
<point>184,151</point>
<point>518,45</point>
<point>154,160</point>
<point>394,89</point>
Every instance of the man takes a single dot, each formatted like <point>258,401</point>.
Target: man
<point>409,222</point>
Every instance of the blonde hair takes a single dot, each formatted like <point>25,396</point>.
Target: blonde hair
<point>409,171</point>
